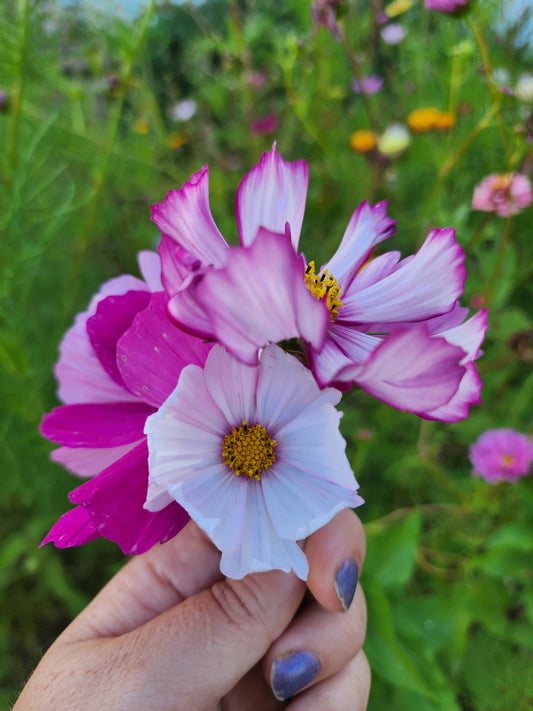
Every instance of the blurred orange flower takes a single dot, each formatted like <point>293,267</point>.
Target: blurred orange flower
<point>429,118</point>
<point>363,141</point>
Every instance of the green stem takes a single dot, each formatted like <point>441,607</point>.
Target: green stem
<point>498,266</point>
<point>354,66</point>
<point>474,241</point>
<point>18,94</point>
<point>494,94</point>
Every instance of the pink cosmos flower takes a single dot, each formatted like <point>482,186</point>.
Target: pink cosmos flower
<point>448,7</point>
<point>368,85</point>
<point>255,456</point>
<point>265,124</point>
<point>117,364</point>
<point>503,193</point>
<point>394,327</point>
<point>501,455</point>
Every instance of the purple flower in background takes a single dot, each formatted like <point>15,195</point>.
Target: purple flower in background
<point>393,33</point>
<point>324,13</point>
<point>254,454</point>
<point>503,193</point>
<point>501,455</point>
<point>118,363</point>
<point>367,85</point>
<point>448,7</point>
<point>265,125</point>
<point>393,327</point>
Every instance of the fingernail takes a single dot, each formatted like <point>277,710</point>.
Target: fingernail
<point>291,672</point>
<point>346,581</point>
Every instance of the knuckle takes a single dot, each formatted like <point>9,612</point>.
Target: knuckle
<point>242,602</point>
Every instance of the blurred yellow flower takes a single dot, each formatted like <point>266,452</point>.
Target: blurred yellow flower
<point>398,7</point>
<point>363,141</point>
<point>394,140</point>
<point>444,121</point>
<point>176,139</point>
<point>422,120</point>
<point>141,126</point>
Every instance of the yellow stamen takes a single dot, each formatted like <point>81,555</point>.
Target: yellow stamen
<point>324,286</point>
<point>249,450</point>
<point>507,460</point>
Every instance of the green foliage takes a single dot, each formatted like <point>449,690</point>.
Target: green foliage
<point>89,143</point>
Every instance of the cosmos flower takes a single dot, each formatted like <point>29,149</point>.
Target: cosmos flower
<point>503,193</point>
<point>264,125</point>
<point>448,7</point>
<point>255,456</point>
<point>501,455</point>
<point>393,327</point>
<point>117,364</point>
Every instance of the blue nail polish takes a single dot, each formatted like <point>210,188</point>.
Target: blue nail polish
<point>346,581</point>
<point>292,672</point>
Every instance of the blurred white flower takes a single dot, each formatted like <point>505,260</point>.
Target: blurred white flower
<point>524,88</point>
<point>182,110</point>
<point>394,140</point>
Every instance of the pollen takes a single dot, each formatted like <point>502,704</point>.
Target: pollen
<point>249,450</point>
<point>507,460</point>
<point>324,286</point>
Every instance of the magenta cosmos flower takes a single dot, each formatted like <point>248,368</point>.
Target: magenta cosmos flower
<point>503,193</point>
<point>394,327</point>
<point>118,363</point>
<point>501,455</point>
<point>255,456</point>
<point>448,7</point>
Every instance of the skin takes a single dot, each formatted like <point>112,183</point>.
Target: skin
<point>168,632</point>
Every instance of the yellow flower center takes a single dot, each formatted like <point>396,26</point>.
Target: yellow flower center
<point>249,450</point>
<point>507,460</point>
<point>324,286</point>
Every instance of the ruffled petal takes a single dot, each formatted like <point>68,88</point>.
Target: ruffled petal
<point>344,346</point>
<point>185,216</point>
<point>285,389</point>
<point>112,318</point>
<point>426,285</point>
<point>260,297</point>
<point>150,267</point>
<point>468,335</point>
<point>271,195</point>
<point>178,267</point>
<point>368,226</point>
<point>410,371</point>
<point>468,393</point>
<point>114,501</point>
<point>189,314</point>
<point>74,528</point>
<point>95,424</point>
<point>89,461</point>
<point>153,352</point>
<point>78,371</point>
<point>232,385</point>
<point>299,503</point>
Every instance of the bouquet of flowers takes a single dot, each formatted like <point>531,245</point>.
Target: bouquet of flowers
<point>208,388</point>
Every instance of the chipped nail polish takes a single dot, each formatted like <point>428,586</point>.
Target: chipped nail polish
<point>291,672</point>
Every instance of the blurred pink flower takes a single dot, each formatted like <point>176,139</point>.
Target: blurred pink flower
<point>324,12</point>
<point>265,125</point>
<point>393,33</point>
<point>503,193</point>
<point>501,455</point>
<point>367,85</point>
<point>448,7</point>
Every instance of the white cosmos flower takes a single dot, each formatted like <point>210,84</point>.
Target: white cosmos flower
<point>254,455</point>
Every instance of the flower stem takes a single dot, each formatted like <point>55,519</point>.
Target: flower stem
<point>350,56</point>
<point>498,266</point>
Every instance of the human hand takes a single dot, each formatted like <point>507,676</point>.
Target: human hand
<point>170,633</point>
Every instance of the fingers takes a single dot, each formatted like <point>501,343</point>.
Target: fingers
<point>335,554</point>
<point>317,645</point>
<point>347,690</point>
<point>149,585</point>
<point>201,648</point>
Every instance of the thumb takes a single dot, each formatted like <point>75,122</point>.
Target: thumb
<point>193,654</point>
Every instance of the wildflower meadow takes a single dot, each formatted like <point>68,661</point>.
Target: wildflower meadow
<point>340,196</point>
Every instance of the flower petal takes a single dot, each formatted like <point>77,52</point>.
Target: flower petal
<point>468,335</point>
<point>78,371</point>
<point>114,501</point>
<point>112,318</point>
<point>74,528</point>
<point>95,424</point>
<point>270,195</point>
<point>410,371</point>
<point>178,267</point>
<point>185,216</point>
<point>468,393</point>
<point>368,226</point>
<point>153,352</point>
<point>232,385</point>
<point>89,461</point>
<point>150,267</point>
<point>426,285</point>
<point>260,297</point>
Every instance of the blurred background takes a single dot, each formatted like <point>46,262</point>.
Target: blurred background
<point>106,106</point>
